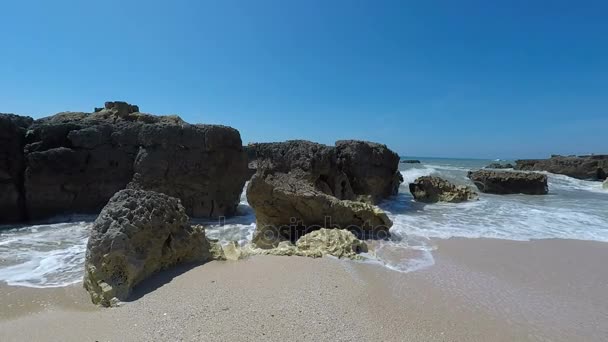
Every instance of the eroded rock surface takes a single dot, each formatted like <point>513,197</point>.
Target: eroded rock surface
<point>339,243</point>
<point>12,166</point>
<point>594,167</point>
<point>505,182</point>
<point>137,234</point>
<point>301,186</point>
<point>74,162</point>
<point>500,166</point>
<point>431,189</point>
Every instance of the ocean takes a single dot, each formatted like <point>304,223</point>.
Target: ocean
<point>51,254</point>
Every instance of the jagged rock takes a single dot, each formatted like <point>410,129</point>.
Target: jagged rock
<point>499,166</point>
<point>288,205</point>
<point>137,234</point>
<point>371,168</point>
<point>335,242</point>
<point>12,165</point>
<point>431,189</point>
<point>76,161</point>
<point>594,167</point>
<point>410,161</point>
<point>505,182</point>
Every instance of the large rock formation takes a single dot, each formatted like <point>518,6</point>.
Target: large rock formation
<point>137,234</point>
<point>593,167</point>
<point>505,182</point>
<point>371,168</point>
<point>302,186</point>
<point>12,165</point>
<point>431,189</point>
<point>74,162</point>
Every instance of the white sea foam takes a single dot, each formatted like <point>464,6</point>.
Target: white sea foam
<point>49,255</point>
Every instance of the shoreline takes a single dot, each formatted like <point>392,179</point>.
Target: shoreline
<point>478,289</point>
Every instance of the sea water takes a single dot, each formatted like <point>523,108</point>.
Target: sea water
<point>52,254</point>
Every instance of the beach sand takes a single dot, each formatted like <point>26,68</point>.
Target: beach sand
<point>478,290</point>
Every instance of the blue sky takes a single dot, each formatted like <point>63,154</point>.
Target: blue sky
<point>487,79</point>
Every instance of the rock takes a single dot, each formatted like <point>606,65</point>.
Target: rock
<point>137,234</point>
<point>431,189</point>
<point>339,243</point>
<point>410,161</point>
<point>371,168</point>
<point>594,167</point>
<point>287,206</point>
<point>499,166</point>
<point>336,242</point>
<point>76,161</point>
<point>12,166</point>
<point>505,182</point>
<point>203,165</point>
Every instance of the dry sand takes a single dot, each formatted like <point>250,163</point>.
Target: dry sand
<point>478,290</point>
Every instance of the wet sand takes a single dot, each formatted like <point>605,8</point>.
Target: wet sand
<point>478,290</point>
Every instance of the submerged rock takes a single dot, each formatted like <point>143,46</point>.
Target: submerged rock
<point>505,182</point>
<point>594,167</point>
<point>137,234</point>
<point>410,161</point>
<point>12,166</point>
<point>499,166</point>
<point>431,189</point>
<point>76,161</point>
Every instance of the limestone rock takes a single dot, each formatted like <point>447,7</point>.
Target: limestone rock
<point>431,189</point>
<point>76,161</point>
<point>593,167</point>
<point>137,234</point>
<point>505,182</point>
<point>335,242</point>
<point>371,168</point>
<point>287,206</point>
<point>12,165</point>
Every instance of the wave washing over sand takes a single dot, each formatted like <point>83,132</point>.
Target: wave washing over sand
<point>52,255</point>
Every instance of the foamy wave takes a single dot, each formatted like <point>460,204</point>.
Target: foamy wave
<point>44,255</point>
<point>562,182</point>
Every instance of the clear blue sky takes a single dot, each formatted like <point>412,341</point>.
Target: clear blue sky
<point>483,79</point>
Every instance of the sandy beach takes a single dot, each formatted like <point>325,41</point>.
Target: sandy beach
<point>478,290</point>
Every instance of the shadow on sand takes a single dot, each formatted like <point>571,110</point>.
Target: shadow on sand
<point>159,279</point>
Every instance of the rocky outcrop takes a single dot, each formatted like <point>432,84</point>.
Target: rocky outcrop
<point>12,165</point>
<point>594,167</point>
<point>505,182</point>
<point>202,165</point>
<point>137,234</point>
<point>288,205</point>
<point>431,189</point>
<point>410,161</point>
<point>499,166</point>
<point>74,162</point>
<point>301,186</point>
<point>371,168</point>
